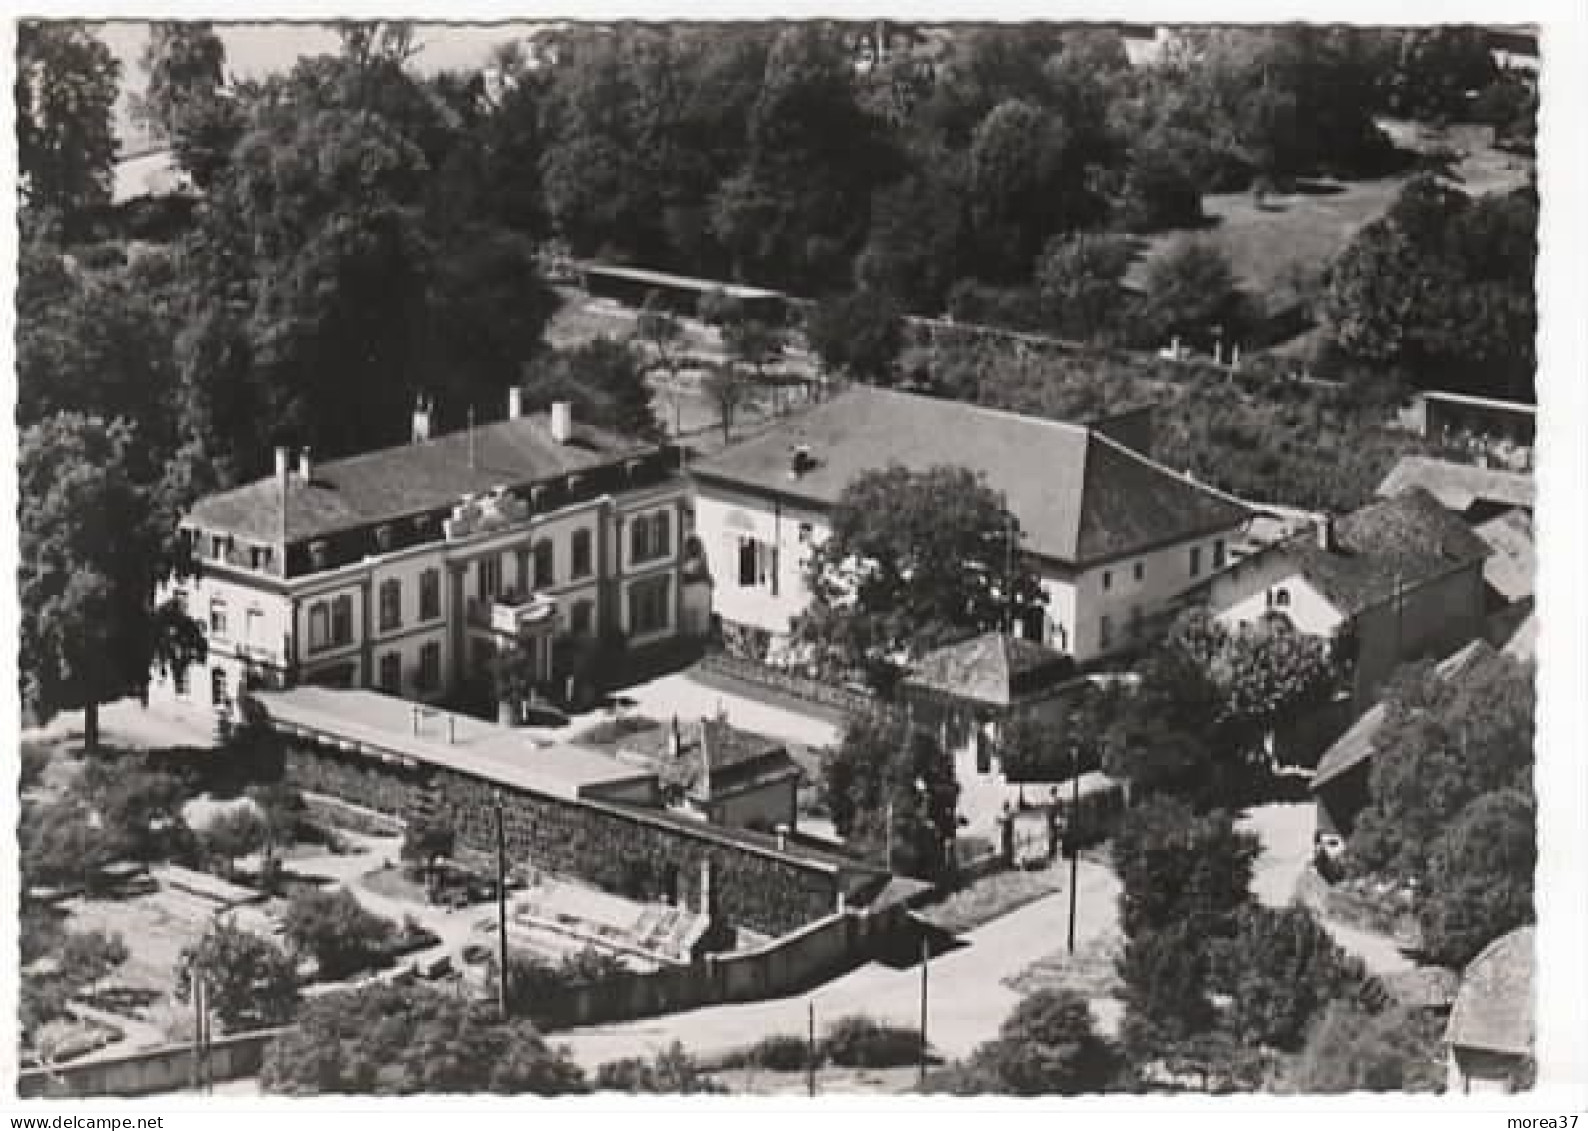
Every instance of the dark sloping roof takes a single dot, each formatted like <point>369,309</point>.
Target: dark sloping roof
<point>1494,1010</point>
<point>1080,496</point>
<point>1511,567</point>
<point>739,759</point>
<point>993,668</point>
<point>1523,644</point>
<point>1458,485</point>
<point>1356,745</point>
<point>410,479</point>
<point>1407,540</point>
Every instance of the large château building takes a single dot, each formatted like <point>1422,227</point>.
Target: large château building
<point>405,569</point>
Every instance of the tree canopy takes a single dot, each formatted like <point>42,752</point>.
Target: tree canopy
<point>1049,1045</point>
<point>914,560</point>
<point>91,559</point>
<point>886,769</point>
<point>66,86</point>
<point>393,1040</point>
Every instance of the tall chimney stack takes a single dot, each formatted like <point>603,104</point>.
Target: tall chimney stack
<point>305,465</point>
<point>1325,528</point>
<point>422,421</point>
<point>515,402</point>
<point>282,462</point>
<point>562,421</point>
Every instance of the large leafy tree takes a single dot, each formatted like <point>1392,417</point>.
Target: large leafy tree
<point>1049,1045</point>
<point>1444,743</point>
<point>184,63</point>
<point>66,85</point>
<point>1177,867</point>
<point>1080,281</point>
<point>1280,969</point>
<point>1480,877</point>
<point>392,1040</point>
<point>796,212</point>
<point>1441,288</point>
<point>249,981</point>
<point>1191,291</point>
<point>858,335</point>
<point>917,238</point>
<point>1026,187</point>
<point>604,378</point>
<point>91,562</point>
<point>885,769</point>
<point>351,255</point>
<point>1353,1049</point>
<point>914,559</point>
<point>1167,735</point>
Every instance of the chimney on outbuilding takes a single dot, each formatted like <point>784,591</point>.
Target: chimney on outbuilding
<point>515,402</point>
<point>305,466</point>
<point>1324,525</point>
<point>283,458</point>
<point>562,421</point>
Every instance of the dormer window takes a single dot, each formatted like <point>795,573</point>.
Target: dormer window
<point>218,546</point>
<point>383,538</point>
<point>319,554</point>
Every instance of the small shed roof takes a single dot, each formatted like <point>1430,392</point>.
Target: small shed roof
<point>1458,486</point>
<point>1494,1009</point>
<point>995,669</point>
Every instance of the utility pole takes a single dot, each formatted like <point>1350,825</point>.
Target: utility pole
<point>926,957</point>
<point>501,905</point>
<point>1069,832</point>
<point>810,1051</point>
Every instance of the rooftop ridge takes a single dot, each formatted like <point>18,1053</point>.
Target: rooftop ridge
<point>1164,468</point>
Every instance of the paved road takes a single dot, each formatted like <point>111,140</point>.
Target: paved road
<point>966,998</point>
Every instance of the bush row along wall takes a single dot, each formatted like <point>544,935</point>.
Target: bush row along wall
<point>612,847</point>
<point>799,687</point>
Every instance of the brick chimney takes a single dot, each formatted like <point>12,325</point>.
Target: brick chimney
<point>515,402</point>
<point>562,421</point>
<point>305,465</point>
<point>283,464</point>
<point>1323,523</point>
<point>423,413</point>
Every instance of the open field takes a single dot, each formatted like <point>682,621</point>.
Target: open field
<point>1292,237</point>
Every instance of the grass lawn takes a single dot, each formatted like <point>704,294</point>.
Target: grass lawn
<point>1294,236</point>
<point>992,896</point>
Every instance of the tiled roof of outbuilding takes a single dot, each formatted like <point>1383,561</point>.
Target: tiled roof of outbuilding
<point>1407,540</point>
<point>1080,497</point>
<point>1458,485</point>
<point>992,668</point>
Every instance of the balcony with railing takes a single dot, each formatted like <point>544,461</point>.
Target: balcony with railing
<point>513,614</point>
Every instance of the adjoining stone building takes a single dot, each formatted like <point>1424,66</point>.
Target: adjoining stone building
<point>408,568</point>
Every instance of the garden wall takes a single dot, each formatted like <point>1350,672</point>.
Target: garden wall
<point>633,852</point>
<point>148,1073</point>
<point>787,965</point>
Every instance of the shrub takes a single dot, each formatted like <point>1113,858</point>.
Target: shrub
<point>251,982</point>
<point>672,1072</point>
<point>337,931</point>
<point>860,1042</point>
<point>781,1052</point>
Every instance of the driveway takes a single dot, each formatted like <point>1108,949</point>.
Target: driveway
<point>966,1000</point>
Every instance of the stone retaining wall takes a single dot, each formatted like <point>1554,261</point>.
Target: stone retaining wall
<point>617,848</point>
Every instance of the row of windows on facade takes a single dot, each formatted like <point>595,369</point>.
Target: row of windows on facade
<point>650,538</point>
<point>333,626</point>
<point>1194,565</point>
